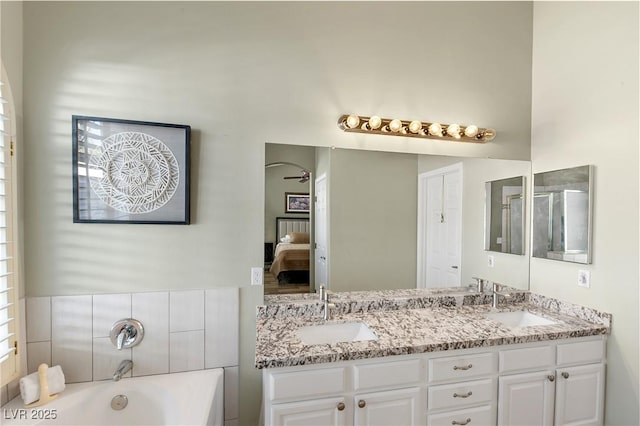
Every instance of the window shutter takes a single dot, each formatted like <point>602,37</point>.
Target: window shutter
<point>8,291</point>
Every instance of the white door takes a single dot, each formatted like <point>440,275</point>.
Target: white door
<point>396,407</point>
<point>580,395</point>
<point>325,412</point>
<point>440,227</point>
<point>526,399</point>
<point>321,233</point>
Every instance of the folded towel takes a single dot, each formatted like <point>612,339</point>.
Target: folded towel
<point>30,385</point>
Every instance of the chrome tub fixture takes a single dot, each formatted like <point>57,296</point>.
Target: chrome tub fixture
<point>415,128</point>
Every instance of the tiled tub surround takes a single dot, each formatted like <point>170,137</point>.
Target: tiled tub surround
<point>184,331</point>
<point>408,331</point>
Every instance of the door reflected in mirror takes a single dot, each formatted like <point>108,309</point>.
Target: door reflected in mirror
<point>505,215</point>
<point>562,206</point>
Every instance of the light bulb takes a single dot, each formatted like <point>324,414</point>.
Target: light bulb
<point>454,130</point>
<point>395,125</point>
<point>471,131</point>
<point>489,134</point>
<point>353,121</point>
<point>435,129</point>
<point>375,122</point>
<point>415,126</point>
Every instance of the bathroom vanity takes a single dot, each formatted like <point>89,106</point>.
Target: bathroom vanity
<point>434,360</point>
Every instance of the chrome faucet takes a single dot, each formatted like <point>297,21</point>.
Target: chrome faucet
<point>122,369</point>
<point>498,291</point>
<point>480,284</point>
<point>125,334</point>
<point>327,305</point>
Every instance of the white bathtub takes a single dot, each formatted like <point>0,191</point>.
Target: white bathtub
<point>192,398</point>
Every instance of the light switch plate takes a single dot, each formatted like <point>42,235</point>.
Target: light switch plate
<point>490,261</point>
<point>256,276</point>
<point>584,278</point>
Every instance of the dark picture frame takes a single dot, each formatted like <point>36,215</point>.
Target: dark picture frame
<point>127,171</point>
<point>296,202</point>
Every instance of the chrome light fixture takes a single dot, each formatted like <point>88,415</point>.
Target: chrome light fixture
<point>415,128</point>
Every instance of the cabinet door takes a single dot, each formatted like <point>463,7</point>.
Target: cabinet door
<point>397,407</point>
<point>580,395</point>
<point>526,399</point>
<point>329,412</point>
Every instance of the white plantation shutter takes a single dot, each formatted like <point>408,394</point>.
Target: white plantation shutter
<point>8,290</point>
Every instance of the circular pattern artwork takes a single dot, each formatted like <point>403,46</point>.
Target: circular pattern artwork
<point>137,172</point>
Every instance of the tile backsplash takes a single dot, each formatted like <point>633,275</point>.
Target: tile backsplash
<point>183,331</point>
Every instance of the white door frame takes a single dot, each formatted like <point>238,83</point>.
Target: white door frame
<point>422,218</point>
<point>317,266</point>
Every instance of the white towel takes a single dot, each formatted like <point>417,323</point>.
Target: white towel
<point>30,385</point>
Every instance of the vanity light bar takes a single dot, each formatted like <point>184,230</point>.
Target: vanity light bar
<point>415,128</point>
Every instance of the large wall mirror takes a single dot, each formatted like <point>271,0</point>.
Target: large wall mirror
<point>505,205</point>
<point>562,209</point>
<point>363,220</point>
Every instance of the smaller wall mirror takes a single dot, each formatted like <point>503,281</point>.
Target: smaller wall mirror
<point>505,215</point>
<point>562,206</point>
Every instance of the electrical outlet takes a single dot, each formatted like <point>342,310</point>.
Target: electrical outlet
<point>256,276</point>
<point>490,261</point>
<point>584,278</point>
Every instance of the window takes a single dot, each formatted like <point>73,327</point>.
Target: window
<point>8,280</point>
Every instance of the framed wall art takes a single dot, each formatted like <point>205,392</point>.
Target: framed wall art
<point>127,171</point>
<point>295,202</point>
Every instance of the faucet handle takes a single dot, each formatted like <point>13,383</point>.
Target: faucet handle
<point>126,333</point>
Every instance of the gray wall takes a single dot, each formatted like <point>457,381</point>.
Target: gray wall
<point>373,220</point>
<point>572,93</point>
<point>242,74</point>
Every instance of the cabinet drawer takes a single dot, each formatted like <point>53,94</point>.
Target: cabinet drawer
<point>388,374</point>
<point>457,395</point>
<point>527,358</point>
<point>580,352</point>
<point>462,367</point>
<point>300,385</point>
<point>483,415</point>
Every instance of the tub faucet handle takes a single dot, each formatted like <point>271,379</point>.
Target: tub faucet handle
<point>126,333</point>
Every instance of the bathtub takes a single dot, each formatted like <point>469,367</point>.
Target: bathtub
<point>191,398</point>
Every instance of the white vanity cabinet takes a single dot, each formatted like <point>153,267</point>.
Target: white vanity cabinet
<point>559,384</point>
<point>542,383</point>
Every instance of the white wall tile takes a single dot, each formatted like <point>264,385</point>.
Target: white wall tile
<point>106,358</point>
<point>231,395</point>
<point>38,319</point>
<point>186,310</point>
<point>38,353</point>
<point>186,351</point>
<point>107,309</point>
<point>221,327</point>
<point>151,356</point>
<point>71,336</point>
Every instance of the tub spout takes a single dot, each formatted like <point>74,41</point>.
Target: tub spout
<point>122,369</point>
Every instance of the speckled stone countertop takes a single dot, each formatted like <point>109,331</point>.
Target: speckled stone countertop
<point>402,331</point>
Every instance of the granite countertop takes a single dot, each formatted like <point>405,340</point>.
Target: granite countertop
<point>425,329</point>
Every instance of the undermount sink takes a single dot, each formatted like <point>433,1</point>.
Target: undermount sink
<point>519,319</point>
<point>335,333</point>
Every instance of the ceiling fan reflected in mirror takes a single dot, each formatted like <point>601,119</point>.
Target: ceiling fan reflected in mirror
<point>302,178</point>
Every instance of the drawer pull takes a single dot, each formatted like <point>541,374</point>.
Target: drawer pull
<point>464,422</point>
<point>361,403</point>
<point>464,367</point>
<point>551,377</point>
<point>565,375</point>
<point>340,406</point>
<point>459,395</point>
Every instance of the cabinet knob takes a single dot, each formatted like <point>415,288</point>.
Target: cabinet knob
<point>551,377</point>
<point>464,422</point>
<point>462,367</point>
<point>565,375</point>
<point>361,403</point>
<point>340,406</point>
